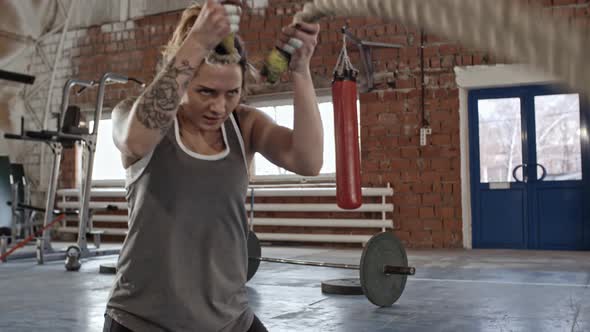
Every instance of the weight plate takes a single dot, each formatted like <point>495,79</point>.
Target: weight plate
<point>254,250</point>
<point>342,286</point>
<point>108,268</point>
<point>381,289</point>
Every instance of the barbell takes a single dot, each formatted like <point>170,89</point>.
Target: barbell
<point>383,268</point>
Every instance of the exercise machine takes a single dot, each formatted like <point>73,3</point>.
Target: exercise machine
<point>69,132</point>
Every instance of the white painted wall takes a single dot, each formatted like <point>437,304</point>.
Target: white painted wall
<point>477,77</point>
<point>98,12</point>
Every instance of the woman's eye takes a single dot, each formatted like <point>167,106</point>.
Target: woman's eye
<point>205,92</point>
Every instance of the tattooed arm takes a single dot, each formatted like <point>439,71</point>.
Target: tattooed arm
<point>139,125</point>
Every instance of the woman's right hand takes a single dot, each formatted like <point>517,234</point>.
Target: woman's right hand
<point>215,22</point>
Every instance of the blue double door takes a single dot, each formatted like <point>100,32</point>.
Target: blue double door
<point>530,168</point>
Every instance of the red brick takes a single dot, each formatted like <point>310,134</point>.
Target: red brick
<point>447,49</point>
<point>406,199</point>
<point>426,212</point>
<point>437,239</point>
<point>400,164</point>
<point>410,152</point>
<point>441,139</point>
<point>431,51</point>
<point>433,225</point>
<point>377,131</point>
<point>441,164</point>
<point>370,165</point>
<point>422,238</point>
<point>421,188</point>
<point>452,225</point>
<point>447,62</point>
<point>404,236</point>
<point>409,212</point>
<point>409,175</point>
<point>451,240</point>
<point>445,212</point>
<point>431,199</point>
<point>433,176</point>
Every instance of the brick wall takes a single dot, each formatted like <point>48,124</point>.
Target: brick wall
<point>426,179</point>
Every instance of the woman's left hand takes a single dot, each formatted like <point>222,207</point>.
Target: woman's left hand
<point>300,41</point>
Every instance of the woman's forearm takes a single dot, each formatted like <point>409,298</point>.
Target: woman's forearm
<point>155,109</point>
<point>308,132</point>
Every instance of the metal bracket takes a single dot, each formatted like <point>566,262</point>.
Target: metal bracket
<point>365,49</point>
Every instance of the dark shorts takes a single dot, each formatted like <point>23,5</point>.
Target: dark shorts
<point>111,325</point>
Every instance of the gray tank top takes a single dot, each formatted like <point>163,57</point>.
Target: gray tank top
<point>183,263</point>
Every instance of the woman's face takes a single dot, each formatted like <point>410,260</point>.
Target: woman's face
<point>212,95</point>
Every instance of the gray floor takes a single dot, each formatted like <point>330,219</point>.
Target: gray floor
<point>453,290</point>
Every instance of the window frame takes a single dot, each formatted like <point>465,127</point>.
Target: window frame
<point>271,100</point>
<point>323,96</point>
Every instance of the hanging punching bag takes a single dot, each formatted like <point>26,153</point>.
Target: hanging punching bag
<point>348,171</point>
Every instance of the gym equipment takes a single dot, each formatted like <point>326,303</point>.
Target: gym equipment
<point>365,49</point>
<point>383,257</point>
<point>351,286</point>
<point>5,195</point>
<point>73,254</point>
<point>68,134</point>
<point>25,218</point>
<point>383,268</point>
<point>16,77</point>
<point>229,41</point>
<point>56,141</point>
<point>348,170</point>
<point>108,268</point>
<point>254,250</point>
<point>509,28</point>
<point>4,252</point>
<point>3,247</point>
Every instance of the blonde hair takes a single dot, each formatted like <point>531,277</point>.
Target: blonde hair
<point>187,20</point>
<point>218,55</point>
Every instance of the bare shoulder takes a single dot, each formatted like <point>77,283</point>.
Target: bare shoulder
<point>124,107</point>
<point>249,119</point>
<point>246,112</point>
<point>250,116</point>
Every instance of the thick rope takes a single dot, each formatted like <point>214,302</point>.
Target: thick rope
<point>503,27</point>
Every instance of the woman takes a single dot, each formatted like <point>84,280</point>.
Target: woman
<point>187,144</point>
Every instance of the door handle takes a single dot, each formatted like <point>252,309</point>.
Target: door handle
<point>524,178</point>
<point>544,174</point>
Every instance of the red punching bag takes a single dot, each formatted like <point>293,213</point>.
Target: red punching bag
<point>348,170</point>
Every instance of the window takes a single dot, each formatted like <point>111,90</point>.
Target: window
<point>282,112</point>
<point>107,160</point>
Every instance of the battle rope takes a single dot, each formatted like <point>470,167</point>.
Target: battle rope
<point>32,237</point>
<point>505,27</point>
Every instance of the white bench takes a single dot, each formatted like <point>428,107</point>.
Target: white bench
<point>315,212</point>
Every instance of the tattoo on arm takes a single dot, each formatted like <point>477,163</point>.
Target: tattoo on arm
<point>158,105</point>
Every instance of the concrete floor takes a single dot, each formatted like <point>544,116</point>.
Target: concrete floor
<point>453,290</point>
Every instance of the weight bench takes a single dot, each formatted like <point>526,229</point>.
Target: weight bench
<point>328,215</point>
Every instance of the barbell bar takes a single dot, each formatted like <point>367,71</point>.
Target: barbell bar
<point>387,269</point>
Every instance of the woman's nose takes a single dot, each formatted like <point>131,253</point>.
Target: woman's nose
<point>218,105</point>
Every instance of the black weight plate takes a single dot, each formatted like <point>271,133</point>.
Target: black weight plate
<point>254,250</point>
<point>342,286</point>
<point>381,289</point>
<point>108,268</point>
